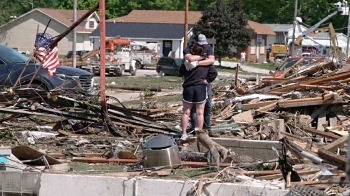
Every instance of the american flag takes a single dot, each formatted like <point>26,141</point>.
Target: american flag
<point>48,57</point>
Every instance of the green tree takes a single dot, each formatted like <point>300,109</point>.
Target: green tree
<point>226,22</point>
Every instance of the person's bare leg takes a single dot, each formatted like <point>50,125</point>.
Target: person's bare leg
<point>186,111</point>
<point>199,115</point>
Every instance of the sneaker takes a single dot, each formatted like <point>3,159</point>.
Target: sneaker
<point>185,137</point>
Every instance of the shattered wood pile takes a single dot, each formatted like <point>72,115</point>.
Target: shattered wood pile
<point>305,109</point>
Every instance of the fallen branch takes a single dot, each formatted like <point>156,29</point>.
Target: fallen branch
<point>217,153</point>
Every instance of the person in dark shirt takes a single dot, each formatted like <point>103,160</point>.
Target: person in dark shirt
<point>196,60</point>
<point>209,54</point>
<point>195,92</point>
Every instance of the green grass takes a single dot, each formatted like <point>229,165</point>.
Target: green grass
<point>233,71</point>
<point>268,66</point>
<point>95,168</point>
<point>166,82</point>
<point>156,100</point>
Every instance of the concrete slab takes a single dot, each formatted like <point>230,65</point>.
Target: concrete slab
<point>257,149</point>
<point>88,185</point>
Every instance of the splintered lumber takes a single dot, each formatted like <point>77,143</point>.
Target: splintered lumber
<point>317,132</point>
<point>304,102</point>
<point>335,144</point>
<point>252,106</point>
<point>133,88</point>
<point>217,153</point>
<point>316,113</point>
<point>315,81</point>
<point>113,160</point>
<point>331,157</point>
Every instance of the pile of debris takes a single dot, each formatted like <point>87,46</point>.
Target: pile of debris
<point>305,109</point>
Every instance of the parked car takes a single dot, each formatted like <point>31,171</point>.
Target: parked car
<point>68,78</point>
<point>291,62</point>
<point>169,66</point>
<point>79,53</point>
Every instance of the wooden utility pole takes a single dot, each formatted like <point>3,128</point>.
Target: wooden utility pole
<point>294,26</point>
<point>348,41</point>
<point>74,46</point>
<point>186,24</point>
<point>102,55</point>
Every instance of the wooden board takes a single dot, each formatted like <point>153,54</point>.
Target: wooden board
<point>24,153</point>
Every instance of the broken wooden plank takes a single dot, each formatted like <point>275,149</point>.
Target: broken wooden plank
<point>28,154</point>
<point>244,117</point>
<point>317,112</point>
<point>331,157</point>
<point>252,106</point>
<point>335,144</point>
<point>305,102</point>
<point>317,132</point>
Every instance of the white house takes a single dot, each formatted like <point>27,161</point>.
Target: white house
<point>20,32</point>
<point>167,29</point>
<point>284,33</point>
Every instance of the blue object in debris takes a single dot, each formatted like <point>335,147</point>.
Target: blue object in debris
<point>3,159</point>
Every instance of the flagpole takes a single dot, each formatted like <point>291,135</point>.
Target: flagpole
<point>102,56</point>
<point>32,56</point>
<point>38,68</point>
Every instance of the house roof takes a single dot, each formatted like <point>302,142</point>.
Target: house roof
<point>65,16</point>
<point>324,35</point>
<point>62,16</point>
<point>142,30</point>
<point>283,27</point>
<point>177,17</point>
<point>159,16</point>
<point>260,28</point>
<point>280,27</point>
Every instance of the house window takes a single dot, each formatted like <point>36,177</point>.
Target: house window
<point>91,24</point>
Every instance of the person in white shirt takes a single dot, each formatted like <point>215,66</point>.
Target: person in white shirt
<point>243,54</point>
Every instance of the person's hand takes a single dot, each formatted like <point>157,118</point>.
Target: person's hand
<point>190,65</point>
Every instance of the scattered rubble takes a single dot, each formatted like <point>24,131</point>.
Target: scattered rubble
<point>305,110</point>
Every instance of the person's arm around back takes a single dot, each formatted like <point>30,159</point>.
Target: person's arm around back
<point>210,59</point>
<point>212,74</point>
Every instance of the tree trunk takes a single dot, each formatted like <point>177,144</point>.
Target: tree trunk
<point>216,154</point>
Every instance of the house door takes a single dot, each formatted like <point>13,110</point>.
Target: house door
<point>167,47</point>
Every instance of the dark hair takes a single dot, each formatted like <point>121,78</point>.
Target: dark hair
<point>197,49</point>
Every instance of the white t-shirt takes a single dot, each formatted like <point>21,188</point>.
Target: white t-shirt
<point>243,55</point>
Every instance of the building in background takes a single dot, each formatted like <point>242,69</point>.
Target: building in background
<point>20,33</point>
<point>166,29</point>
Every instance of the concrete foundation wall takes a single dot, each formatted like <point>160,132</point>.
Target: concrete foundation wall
<point>75,185</point>
<point>257,149</point>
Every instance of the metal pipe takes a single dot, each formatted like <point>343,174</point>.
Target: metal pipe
<point>102,55</point>
<point>294,25</point>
